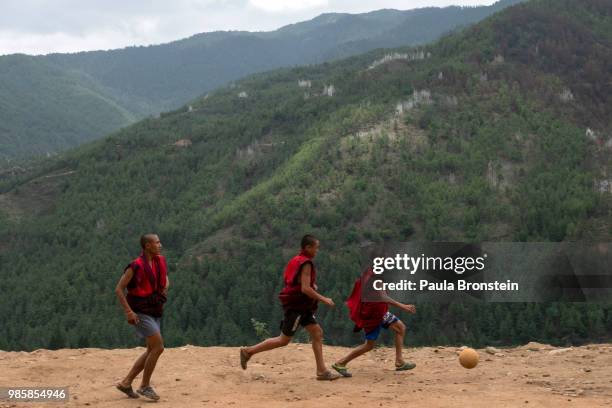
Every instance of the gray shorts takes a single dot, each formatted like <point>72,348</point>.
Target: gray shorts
<point>147,326</point>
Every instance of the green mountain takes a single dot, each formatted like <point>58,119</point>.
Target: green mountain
<point>49,103</point>
<point>44,108</point>
<point>498,133</point>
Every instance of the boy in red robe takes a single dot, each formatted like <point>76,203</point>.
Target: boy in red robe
<point>299,298</point>
<point>146,281</point>
<point>372,317</point>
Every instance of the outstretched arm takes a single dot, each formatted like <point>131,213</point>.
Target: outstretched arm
<point>393,302</point>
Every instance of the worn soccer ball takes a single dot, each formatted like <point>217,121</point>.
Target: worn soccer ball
<point>468,358</point>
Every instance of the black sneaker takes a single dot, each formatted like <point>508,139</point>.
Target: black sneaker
<point>127,391</point>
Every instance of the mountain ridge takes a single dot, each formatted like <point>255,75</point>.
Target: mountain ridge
<point>468,139</point>
<point>148,80</point>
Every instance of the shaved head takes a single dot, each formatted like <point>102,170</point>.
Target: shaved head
<point>146,238</point>
<point>308,240</point>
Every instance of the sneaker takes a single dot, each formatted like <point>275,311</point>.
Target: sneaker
<point>127,391</point>
<point>148,392</point>
<point>342,370</point>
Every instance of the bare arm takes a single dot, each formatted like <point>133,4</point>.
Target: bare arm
<point>132,318</point>
<point>309,290</point>
<point>165,290</point>
<point>393,302</point>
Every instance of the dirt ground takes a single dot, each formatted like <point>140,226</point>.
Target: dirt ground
<point>534,375</point>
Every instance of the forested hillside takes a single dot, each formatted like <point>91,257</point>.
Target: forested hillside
<point>498,133</point>
<point>44,108</point>
<point>50,103</point>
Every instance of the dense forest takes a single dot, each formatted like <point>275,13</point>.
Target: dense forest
<point>54,102</point>
<point>499,133</point>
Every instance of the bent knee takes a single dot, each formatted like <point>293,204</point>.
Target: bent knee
<point>399,327</point>
<point>284,340</point>
<point>369,345</point>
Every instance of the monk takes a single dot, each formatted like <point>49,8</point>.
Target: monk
<point>146,281</point>
<point>372,317</point>
<point>299,299</point>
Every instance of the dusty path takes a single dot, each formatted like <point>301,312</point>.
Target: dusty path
<point>529,376</point>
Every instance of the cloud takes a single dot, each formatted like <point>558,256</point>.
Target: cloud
<point>37,43</point>
<point>45,26</point>
<point>278,6</point>
<point>38,27</point>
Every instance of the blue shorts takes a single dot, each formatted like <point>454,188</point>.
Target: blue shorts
<point>147,326</point>
<point>387,320</point>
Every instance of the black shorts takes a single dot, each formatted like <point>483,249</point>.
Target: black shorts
<point>293,319</point>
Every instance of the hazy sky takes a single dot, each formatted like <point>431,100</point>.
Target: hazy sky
<point>44,26</point>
